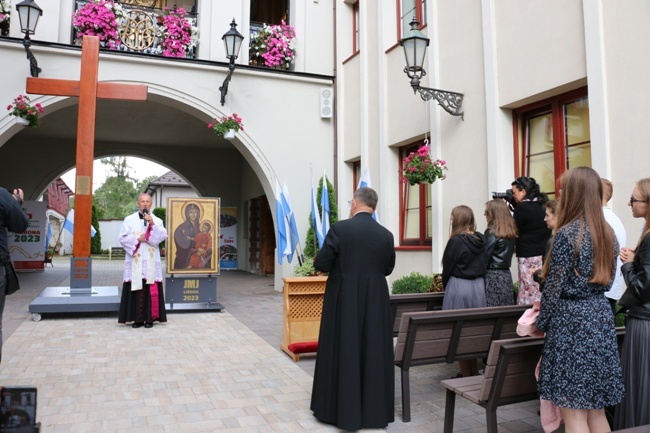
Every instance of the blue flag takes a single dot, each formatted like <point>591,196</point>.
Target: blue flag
<point>325,207</point>
<point>68,224</point>
<point>316,218</point>
<point>280,217</point>
<point>364,182</point>
<point>294,238</point>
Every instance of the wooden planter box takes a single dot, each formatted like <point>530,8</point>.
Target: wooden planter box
<point>303,305</point>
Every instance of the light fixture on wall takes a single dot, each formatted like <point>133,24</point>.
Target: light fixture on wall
<point>29,13</point>
<point>415,47</point>
<point>232,41</point>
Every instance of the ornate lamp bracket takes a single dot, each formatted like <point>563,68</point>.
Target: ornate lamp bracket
<point>34,70</point>
<point>451,102</point>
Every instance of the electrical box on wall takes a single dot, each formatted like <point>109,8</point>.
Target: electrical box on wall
<point>326,103</point>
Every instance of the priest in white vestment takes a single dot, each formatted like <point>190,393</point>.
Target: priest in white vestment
<point>142,300</point>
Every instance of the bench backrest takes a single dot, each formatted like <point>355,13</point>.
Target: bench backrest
<point>452,335</point>
<point>413,302</point>
<point>511,367</point>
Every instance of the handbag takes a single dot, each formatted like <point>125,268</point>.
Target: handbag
<point>13,285</point>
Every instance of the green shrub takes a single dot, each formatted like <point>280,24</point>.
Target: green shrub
<point>306,269</point>
<point>417,283</point>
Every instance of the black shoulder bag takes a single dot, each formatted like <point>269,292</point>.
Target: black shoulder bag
<point>13,285</point>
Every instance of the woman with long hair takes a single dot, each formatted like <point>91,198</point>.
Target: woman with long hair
<point>580,368</point>
<point>463,269</point>
<point>635,357</point>
<point>499,238</point>
<point>533,235</point>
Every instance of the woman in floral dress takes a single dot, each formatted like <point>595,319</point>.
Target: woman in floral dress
<point>580,368</point>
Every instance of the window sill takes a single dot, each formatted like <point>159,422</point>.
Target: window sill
<point>413,248</point>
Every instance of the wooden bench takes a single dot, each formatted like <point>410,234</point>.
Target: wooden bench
<point>448,336</point>
<point>116,252</point>
<point>411,303</point>
<point>509,378</point>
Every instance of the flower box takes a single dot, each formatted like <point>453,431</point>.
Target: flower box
<point>303,305</point>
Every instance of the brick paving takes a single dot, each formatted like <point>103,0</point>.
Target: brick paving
<point>199,372</point>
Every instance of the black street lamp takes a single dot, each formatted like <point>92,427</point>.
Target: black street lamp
<point>29,13</point>
<point>232,41</point>
<point>415,47</point>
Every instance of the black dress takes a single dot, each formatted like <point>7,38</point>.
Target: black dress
<point>354,377</point>
<point>634,411</point>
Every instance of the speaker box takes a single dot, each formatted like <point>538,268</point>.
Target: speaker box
<point>326,103</point>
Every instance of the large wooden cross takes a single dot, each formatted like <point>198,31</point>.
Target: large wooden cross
<point>88,90</point>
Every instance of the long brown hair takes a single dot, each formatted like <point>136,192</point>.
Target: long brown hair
<point>581,199</point>
<point>499,219</point>
<point>462,220</point>
<point>644,189</point>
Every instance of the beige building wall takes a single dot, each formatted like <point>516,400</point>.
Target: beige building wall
<point>502,55</point>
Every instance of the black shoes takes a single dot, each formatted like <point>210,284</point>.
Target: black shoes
<point>140,324</point>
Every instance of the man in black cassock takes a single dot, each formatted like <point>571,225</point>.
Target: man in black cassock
<point>354,377</point>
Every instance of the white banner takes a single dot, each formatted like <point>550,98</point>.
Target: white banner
<point>27,249</point>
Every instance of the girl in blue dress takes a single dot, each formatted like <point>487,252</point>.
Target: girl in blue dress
<point>580,369</point>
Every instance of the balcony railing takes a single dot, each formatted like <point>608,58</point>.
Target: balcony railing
<point>140,28</point>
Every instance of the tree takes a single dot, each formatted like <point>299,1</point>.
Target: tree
<point>311,243</point>
<point>117,197</point>
<point>144,183</point>
<point>95,241</point>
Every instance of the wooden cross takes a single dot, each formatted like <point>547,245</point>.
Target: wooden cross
<point>88,90</point>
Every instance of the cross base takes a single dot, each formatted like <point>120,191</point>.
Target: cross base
<point>64,300</point>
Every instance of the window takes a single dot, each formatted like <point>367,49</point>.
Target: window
<point>552,136</point>
<point>356,174</point>
<point>407,9</point>
<point>269,11</point>
<point>415,209</point>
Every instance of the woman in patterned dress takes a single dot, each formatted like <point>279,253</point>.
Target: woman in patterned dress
<point>635,410</point>
<point>499,238</point>
<point>580,369</point>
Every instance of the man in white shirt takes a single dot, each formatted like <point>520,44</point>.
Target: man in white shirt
<point>616,291</point>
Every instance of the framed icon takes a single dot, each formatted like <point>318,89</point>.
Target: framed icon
<point>193,243</point>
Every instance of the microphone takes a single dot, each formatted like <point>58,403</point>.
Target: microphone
<point>145,212</point>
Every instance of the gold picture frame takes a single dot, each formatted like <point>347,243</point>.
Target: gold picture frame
<point>193,244</point>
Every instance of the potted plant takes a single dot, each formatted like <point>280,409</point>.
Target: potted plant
<point>420,167</point>
<point>179,33</point>
<point>228,126</point>
<point>26,113</point>
<point>415,282</point>
<point>5,14</point>
<point>273,46</point>
<point>99,18</point>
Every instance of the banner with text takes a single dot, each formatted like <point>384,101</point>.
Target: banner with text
<point>27,249</point>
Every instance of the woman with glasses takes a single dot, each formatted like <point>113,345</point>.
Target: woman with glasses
<point>635,357</point>
<point>533,236</point>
